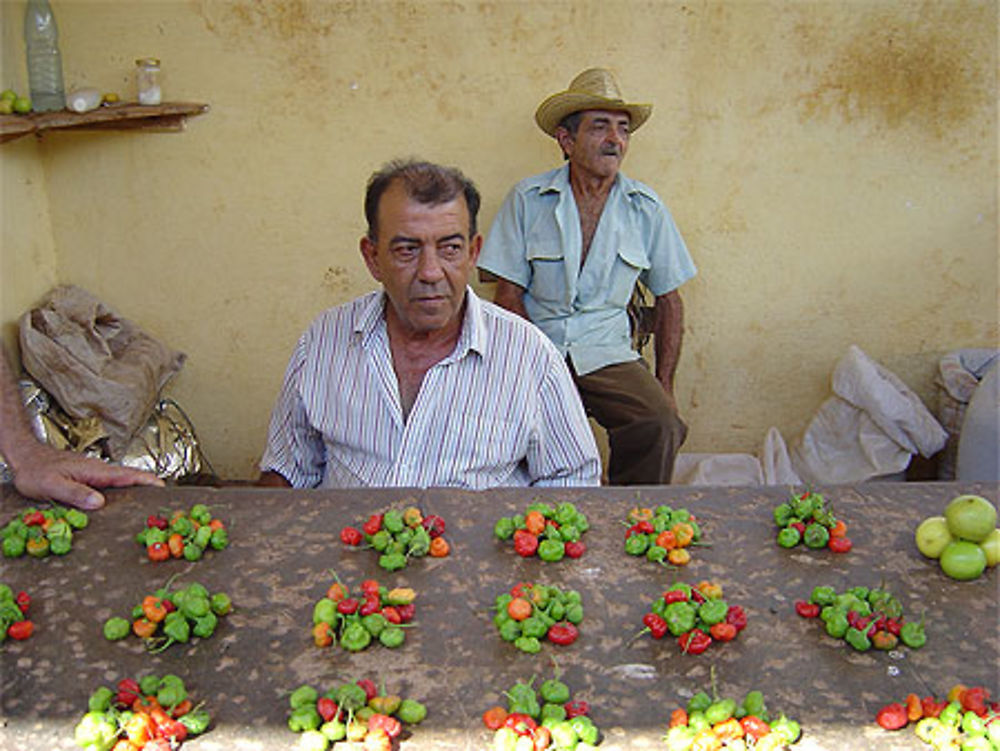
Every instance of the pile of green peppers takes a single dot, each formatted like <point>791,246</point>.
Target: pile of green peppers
<point>551,606</point>
<point>10,613</point>
<point>955,728</point>
<point>646,525</point>
<point>40,532</point>
<point>867,618</point>
<point>195,612</point>
<point>397,536</point>
<point>804,519</point>
<point>193,527</point>
<point>347,712</point>
<point>357,623</point>
<point>568,527</point>
<point>110,714</point>
<point>705,713</point>
<point>552,707</point>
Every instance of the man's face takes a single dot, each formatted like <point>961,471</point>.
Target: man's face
<point>599,145</point>
<point>423,257</point>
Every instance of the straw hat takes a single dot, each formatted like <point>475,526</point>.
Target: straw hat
<point>594,89</point>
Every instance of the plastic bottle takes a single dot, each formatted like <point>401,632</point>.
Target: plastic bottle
<point>41,42</point>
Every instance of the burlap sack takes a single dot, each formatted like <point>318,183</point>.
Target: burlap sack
<point>96,363</point>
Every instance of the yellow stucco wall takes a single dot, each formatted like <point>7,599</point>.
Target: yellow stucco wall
<point>832,165</point>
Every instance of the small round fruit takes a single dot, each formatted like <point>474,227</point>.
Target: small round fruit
<point>991,547</point>
<point>6,106</point>
<point>22,105</point>
<point>971,517</point>
<point>933,536</point>
<point>963,560</point>
<point>8,95</point>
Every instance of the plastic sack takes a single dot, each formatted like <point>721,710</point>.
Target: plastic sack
<point>870,427</point>
<point>95,363</point>
<point>772,467</point>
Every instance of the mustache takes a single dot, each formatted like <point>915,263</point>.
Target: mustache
<point>611,150</point>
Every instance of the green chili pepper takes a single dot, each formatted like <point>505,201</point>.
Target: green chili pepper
<point>221,604</point>
<point>585,729</point>
<point>355,637</point>
<point>14,546</point>
<point>149,685</point>
<point>304,695</point>
<point>192,552</point>
<point>753,704</point>
<point>533,626</point>
<point>374,623</point>
<point>656,554</point>
<point>504,528</point>
<point>116,629</point>
<point>304,718</point>
<point>912,634</point>
<point>392,637</point>
<point>182,526</point>
<point>380,540</point>
<point>324,611</point>
<point>680,738</point>
<point>789,537</point>
<point>720,711</point>
<point>563,735</point>
<point>203,536</point>
<point>60,546</point>
<point>219,539</point>
<point>334,730</point>
<point>392,521</point>
<point>837,625</point>
<point>787,729</point>
<point>712,612</point>
<point>154,535</point>
<point>420,543</point>
<point>171,695</point>
<point>350,696</point>
<point>816,536</point>
<point>392,561</point>
<point>556,610</point>
<point>552,713</point>
<point>637,544</point>
<point>204,626</point>
<point>528,644</point>
<point>680,617</point>
<point>551,550</point>
<point>554,691</point>
<point>175,626</point>
<point>510,630</point>
<point>857,639</point>
<point>574,613</point>
<point>411,712</point>
<point>823,596</point>
<point>100,700</point>
<point>96,731</point>
<point>699,702</point>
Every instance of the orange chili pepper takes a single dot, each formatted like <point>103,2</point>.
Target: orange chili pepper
<point>729,730</point>
<point>667,540</point>
<point>679,557</point>
<point>711,590</point>
<point>158,551</point>
<point>534,522</point>
<point>322,634</point>
<point>684,533</point>
<point>494,716</point>
<point>143,628</point>
<point>706,740</point>
<point>519,608</point>
<point>124,745</point>
<point>839,529</point>
<point>37,545</point>
<point>176,545</point>
<point>955,694</point>
<point>439,547</point>
<point>140,729</point>
<point>153,608</point>
<point>914,709</point>
<point>336,592</point>
<point>678,717</point>
<point>637,514</point>
<point>216,524</point>
<point>145,704</point>
<point>181,708</point>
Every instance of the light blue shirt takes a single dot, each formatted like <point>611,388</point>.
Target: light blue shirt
<point>535,242</point>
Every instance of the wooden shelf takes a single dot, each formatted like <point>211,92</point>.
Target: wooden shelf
<point>169,116</point>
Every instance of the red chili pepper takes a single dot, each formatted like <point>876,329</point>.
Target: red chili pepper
<point>675,595</point>
<point>23,600</point>
<point>390,725</point>
<point>694,641</point>
<point>799,526</point>
<point>723,631</point>
<point>372,604</point>
<point>369,587</point>
<point>755,727</point>
<point>406,612</point>
<point>892,716</point>
<point>893,626</point>
<point>697,596</point>
<point>20,630</point>
<point>391,614</point>
<point>369,688</point>
<point>521,724</point>
<point>525,543</point>
<point>975,699</point>
<point>434,525</point>
<point>656,625</point>
<point>347,606</point>
<point>373,525</point>
<point>563,634</point>
<point>158,551</point>
<point>327,708</point>
<point>351,536</point>
<point>840,545</point>
<point>130,685</point>
<point>807,609</point>
<point>518,589</point>
<point>737,616</point>
<point>575,549</point>
<point>645,527</point>
<point>158,522</point>
<point>34,519</point>
<point>576,708</point>
<point>932,707</point>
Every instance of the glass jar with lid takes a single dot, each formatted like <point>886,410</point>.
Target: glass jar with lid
<point>147,80</point>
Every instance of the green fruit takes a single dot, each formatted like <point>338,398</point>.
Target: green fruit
<point>6,106</point>
<point>971,517</point>
<point>991,547</point>
<point>22,105</point>
<point>8,95</point>
<point>963,560</point>
<point>933,536</point>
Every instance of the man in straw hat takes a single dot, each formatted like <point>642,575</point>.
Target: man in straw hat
<point>568,246</point>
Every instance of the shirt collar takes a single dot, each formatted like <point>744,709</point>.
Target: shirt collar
<point>371,319</point>
<point>558,182</point>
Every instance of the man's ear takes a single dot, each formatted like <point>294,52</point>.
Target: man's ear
<point>369,252</point>
<point>474,247</point>
<point>565,140</point>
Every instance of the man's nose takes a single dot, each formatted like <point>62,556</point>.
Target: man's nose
<point>429,267</point>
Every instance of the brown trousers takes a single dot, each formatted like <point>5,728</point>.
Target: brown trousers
<point>644,431</point>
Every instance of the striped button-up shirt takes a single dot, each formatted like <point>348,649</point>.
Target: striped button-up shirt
<point>500,410</point>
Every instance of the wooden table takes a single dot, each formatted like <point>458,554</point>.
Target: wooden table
<point>284,543</point>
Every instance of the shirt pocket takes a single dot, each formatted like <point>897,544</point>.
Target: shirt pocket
<point>548,270</point>
<point>630,261</point>
<point>482,449</point>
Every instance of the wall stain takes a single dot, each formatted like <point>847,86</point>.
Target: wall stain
<point>337,279</point>
<point>897,72</point>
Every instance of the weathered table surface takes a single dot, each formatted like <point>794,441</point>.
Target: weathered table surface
<point>285,543</point>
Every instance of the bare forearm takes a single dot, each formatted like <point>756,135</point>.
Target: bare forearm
<point>668,333</point>
<point>17,441</point>
<point>271,479</point>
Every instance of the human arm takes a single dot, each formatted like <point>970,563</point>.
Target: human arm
<point>510,296</point>
<point>46,474</point>
<point>668,330</point>
<point>272,479</point>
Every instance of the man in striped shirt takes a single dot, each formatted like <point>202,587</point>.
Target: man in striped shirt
<point>422,383</point>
